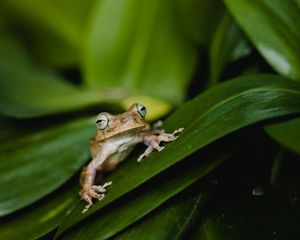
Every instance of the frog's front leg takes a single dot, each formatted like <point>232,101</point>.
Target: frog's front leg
<point>88,189</point>
<point>153,140</point>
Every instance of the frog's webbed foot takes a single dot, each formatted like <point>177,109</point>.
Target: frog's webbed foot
<point>179,130</point>
<point>94,191</point>
<point>153,141</point>
<point>87,194</point>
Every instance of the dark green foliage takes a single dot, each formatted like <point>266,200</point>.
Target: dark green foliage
<point>233,168</point>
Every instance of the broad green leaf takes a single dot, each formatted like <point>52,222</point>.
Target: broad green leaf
<point>228,44</point>
<point>34,165</point>
<point>39,218</point>
<point>286,133</point>
<point>60,22</point>
<point>210,116</point>
<point>171,222</point>
<point>199,19</point>
<point>272,27</point>
<point>143,202</point>
<point>136,46</point>
<point>29,91</point>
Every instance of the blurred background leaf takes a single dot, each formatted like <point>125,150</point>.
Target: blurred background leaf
<point>199,18</point>
<point>228,45</point>
<point>52,30</point>
<point>29,90</point>
<point>139,51</point>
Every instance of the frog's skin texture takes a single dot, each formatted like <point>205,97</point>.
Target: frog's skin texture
<point>115,138</point>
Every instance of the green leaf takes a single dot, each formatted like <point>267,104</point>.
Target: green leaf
<point>29,91</point>
<point>199,19</point>
<point>40,218</point>
<point>60,24</point>
<point>228,44</point>
<point>273,29</point>
<point>210,116</point>
<point>286,133</point>
<point>34,165</point>
<point>171,222</point>
<point>144,201</point>
<point>136,46</point>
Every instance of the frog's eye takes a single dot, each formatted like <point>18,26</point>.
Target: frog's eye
<point>102,121</point>
<point>141,109</point>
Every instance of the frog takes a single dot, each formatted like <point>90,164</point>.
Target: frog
<point>116,136</point>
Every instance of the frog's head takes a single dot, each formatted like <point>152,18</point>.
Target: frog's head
<point>109,125</point>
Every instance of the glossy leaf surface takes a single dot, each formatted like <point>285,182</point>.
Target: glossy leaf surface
<point>230,106</point>
<point>40,218</point>
<point>143,201</point>
<point>272,27</point>
<point>170,222</point>
<point>34,165</point>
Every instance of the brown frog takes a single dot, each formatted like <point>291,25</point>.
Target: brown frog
<point>115,138</point>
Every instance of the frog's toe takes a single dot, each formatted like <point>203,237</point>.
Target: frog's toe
<point>174,138</point>
<point>98,189</point>
<point>86,208</point>
<point>98,196</point>
<point>179,130</point>
<point>93,194</point>
<point>87,198</point>
<point>88,194</point>
<point>101,188</point>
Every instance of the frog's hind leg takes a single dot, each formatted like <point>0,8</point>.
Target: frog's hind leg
<point>86,180</point>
